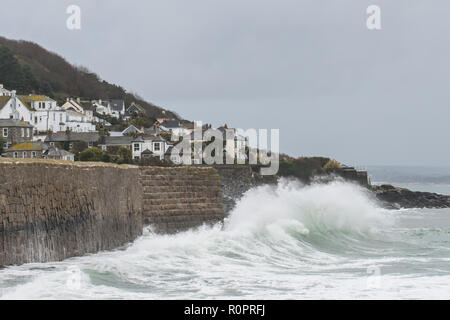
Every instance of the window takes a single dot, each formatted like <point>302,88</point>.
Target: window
<point>33,154</point>
<point>35,119</point>
<point>52,144</point>
<point>24,154</point>
<point>70,145</point>
<point>156,146</point>
<point>90,144</point>
<point>104,148</point>
<point>22,130</point>
<point>60,117</point>
<point>136,158</point>
<point>5,132</point>
<point>54,116</point>
<point>136,147</point>
<point>16,155</point>
<point>28,132</point>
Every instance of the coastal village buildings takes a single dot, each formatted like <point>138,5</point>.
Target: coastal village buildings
<point>149,145</point>
<point>4,92</point>
<point>35,126</point>
<point>113,108</point>
<point>58,154</point>
<point>135,109</point>
<point>14,131</point>
<point>26,150</point>
<point>175,127</point>
<point>73,141</point>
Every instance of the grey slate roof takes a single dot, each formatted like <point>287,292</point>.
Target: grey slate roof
<point>135,108</point>
<point>170,124</point>
<point>118,141</point>
<point>117,105</point>
<point>152,131</point>
<point>14,123</point>
<point>72,136</point>
<point>56,152</point>
<point>146,151</point>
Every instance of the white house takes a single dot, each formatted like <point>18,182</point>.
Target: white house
<point>114,108</point>
<point>150,145</point>
<point>117,107</point>
<point>4,92</point>
<point>46,115</point>
<point>13,107</point>
<point>84,107</point>
<point>78,122</point>
<point>176,128</point>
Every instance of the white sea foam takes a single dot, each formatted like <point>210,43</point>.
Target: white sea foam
<point>285,242</point>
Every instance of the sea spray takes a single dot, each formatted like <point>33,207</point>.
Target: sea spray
<point>285,242</point>
<point>336,206</point>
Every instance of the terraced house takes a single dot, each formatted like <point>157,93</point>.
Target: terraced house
<point>26,150</point>
<point>14,131</point>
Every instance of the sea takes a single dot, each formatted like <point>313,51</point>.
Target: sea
<point>322,241</point>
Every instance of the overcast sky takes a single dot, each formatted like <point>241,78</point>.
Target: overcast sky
<point>310,68</point>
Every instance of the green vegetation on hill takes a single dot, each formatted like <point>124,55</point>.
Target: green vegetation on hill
<point>303,168</point>
<point>29,68</point>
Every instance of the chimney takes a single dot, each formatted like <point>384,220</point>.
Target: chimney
<point>67,99</point>
<point>78,99</point>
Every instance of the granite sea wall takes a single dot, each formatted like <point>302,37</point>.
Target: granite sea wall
<point>180,198</point>
<point>52,210</point>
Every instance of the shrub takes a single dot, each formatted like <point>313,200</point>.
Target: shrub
<point>332,164</point>
<point>91,154</point>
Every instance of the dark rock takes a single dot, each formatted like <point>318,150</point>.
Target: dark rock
<point>395,197</point>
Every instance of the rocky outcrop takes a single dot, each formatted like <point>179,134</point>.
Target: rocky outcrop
<point>51,210</point>
<point>394,197</point>
<point>177,199</point>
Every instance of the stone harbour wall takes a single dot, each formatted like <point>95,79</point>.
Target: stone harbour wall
<point>51,210</point>
<point>180,198</point>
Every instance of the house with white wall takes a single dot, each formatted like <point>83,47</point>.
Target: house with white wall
<point>13,107</point>
<point>84,107</point>
<point>78,122</point>
<point>46,115</point>
<point>155,145</point>
<point>4,92</point>
<point>114,107</point>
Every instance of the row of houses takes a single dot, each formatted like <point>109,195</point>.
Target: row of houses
<point>35,126</point>
<point>44,114</point>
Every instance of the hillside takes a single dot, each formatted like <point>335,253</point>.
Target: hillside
<point>29,68</point>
